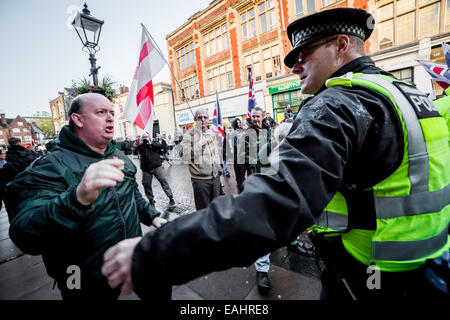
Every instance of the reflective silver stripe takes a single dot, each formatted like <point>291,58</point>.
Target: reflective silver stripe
<point>332,220</point>
<point>412,205</point>
<point>408,250</point>
<point>417,148</point>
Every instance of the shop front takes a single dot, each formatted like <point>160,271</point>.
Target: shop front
<point>233,105</point>
<point>285,94</point>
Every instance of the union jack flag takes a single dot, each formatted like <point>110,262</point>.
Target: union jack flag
<point>251,95</point>
<point>438,72</point>
<point>217,123</point>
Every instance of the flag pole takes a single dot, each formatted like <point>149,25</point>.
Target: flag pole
<point>162,56</point>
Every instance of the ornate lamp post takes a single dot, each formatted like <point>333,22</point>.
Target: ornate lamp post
<point>88,29</point>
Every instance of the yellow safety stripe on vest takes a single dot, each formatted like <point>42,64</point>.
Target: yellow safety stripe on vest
<point>424,204</point>
<point>408,250</point>
<point>412,205</point>
<point>417,148</point>
<point>335,221</point>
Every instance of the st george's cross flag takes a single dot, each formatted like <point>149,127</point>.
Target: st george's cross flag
<point>438,72</point>
<point>139,108</point>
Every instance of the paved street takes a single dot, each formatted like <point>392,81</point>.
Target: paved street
<point>293,277</point>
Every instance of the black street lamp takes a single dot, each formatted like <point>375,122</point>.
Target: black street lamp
<point>88,29</point>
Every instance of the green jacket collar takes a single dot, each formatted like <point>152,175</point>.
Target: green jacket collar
<point>68,140</point>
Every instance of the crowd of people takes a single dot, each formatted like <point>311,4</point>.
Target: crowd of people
<point>364,167</point>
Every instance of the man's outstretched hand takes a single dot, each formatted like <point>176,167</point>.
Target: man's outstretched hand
<point>117,265</point>
<point>105,173</point>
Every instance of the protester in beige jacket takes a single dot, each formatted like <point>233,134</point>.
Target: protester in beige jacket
<point>199,149</point>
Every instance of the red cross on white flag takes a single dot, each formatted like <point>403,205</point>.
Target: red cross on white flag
<point>139,108</point>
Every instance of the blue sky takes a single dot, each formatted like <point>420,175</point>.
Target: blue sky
<point>40,54</point>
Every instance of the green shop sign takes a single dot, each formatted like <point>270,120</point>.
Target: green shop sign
<point>284,86</point>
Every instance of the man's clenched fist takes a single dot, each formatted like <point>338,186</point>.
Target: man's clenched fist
<point>105,173</point>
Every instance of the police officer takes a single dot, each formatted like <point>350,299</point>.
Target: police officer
<point>378,142</point>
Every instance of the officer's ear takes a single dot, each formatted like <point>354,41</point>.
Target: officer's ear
<point>343,43</point>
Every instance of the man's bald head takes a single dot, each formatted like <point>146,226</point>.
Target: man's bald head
<point>77,104</point>
<point>92,120</point>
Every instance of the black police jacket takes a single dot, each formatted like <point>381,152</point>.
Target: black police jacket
<point>342,138</point>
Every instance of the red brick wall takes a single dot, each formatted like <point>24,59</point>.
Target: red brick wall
<point>284,15</point>
<point>268,35</point>
<point>286,44</point>
<point>235,57</point>
<point>214,14</point>
<point>201,88</point>
<point>187,71</point>
<point>174,84</point>
<point>217,57</point>
<point>362,4</point>
<point>182,36</point>
<point>249,43</point>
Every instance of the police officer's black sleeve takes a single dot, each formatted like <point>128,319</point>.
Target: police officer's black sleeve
<point>270,212</point>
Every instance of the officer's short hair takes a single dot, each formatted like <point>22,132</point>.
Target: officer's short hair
<point>357,44</point>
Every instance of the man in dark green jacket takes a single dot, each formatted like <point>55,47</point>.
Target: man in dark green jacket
<point>77,201</point>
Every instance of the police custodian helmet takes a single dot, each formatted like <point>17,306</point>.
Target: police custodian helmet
<point>301,32</point>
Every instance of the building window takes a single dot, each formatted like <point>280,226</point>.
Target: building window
<point>301,5</point>
<point>403,74</point>
<point>272,62</point>
<point>254,59</point>
<point>2,141</point>
<point>429,20</point>
<point>216,40</point>
<point>326,3</point>
<point>1,132</point>
<point>189,88</point>
<point>16,130</point>
<point>27,138</point>
<point>26,130</point>
<point>447,16</point>
<point>220,78</point>
<point>248,24</point>
<point>405,28</point>
<point>404,21</point>
<point>20,124</point>
<point>266,11</point>
<point>186,56</point>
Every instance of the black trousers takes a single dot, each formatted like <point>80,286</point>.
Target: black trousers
<point>346,278</point>
<point>147,178</point>
<point>205,191</point>
<point>239,172</point>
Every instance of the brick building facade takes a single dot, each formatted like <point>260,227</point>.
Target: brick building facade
<point>215,47</point>
<point>18,127</point>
